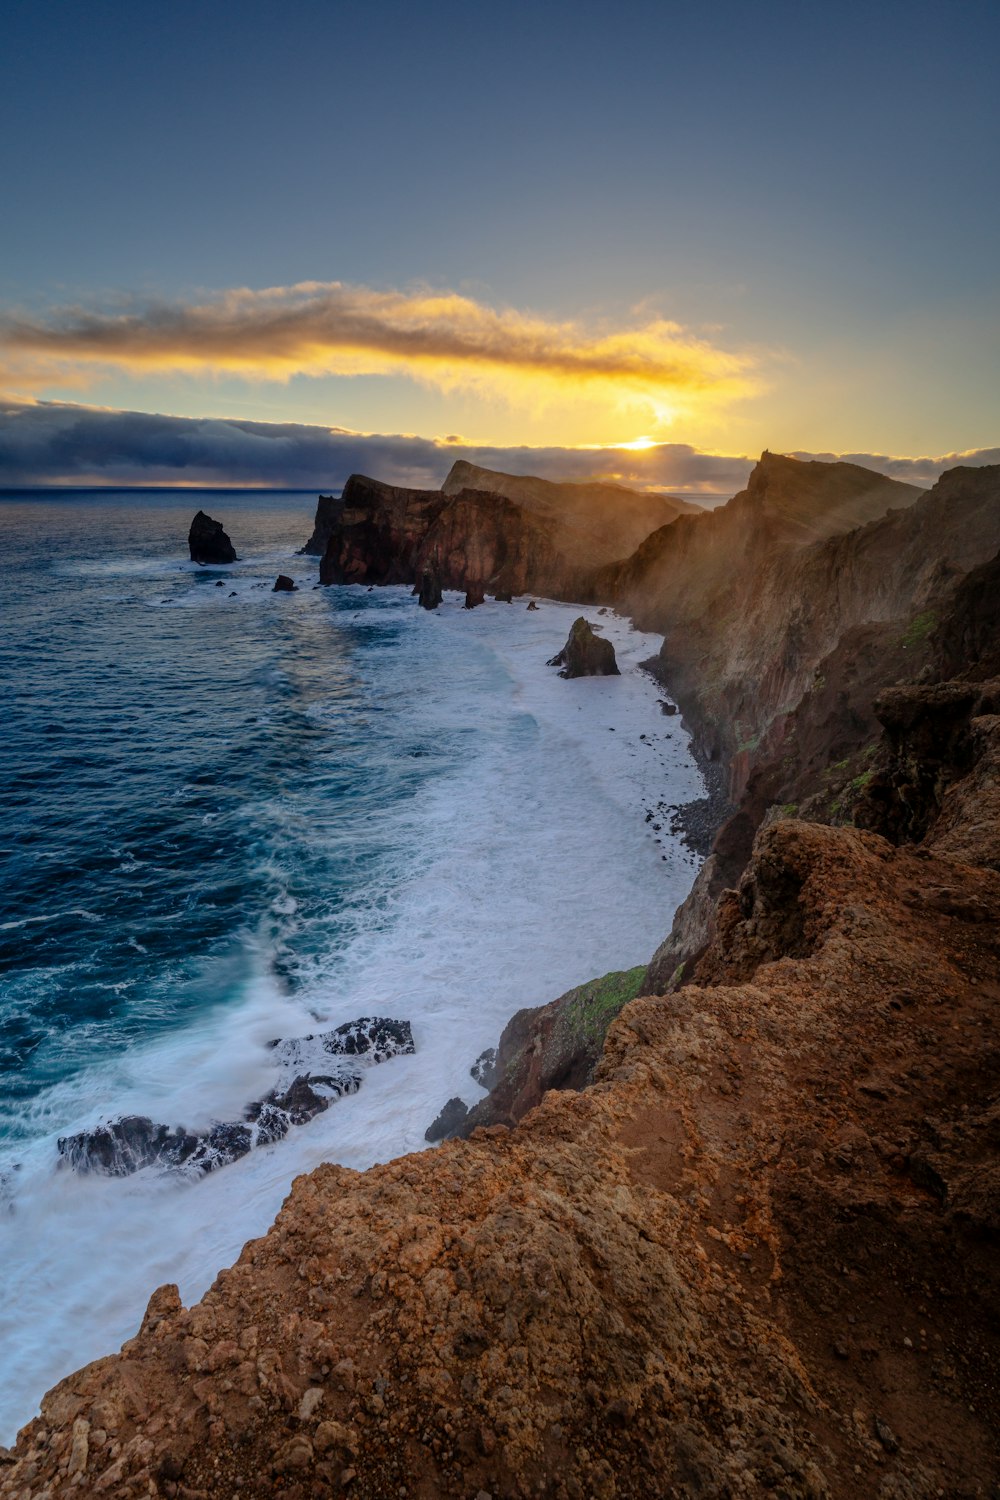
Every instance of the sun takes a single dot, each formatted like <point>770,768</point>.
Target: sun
<point>637,445</point>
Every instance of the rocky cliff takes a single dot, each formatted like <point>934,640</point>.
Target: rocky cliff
<point>503,532</point>
<point>758,1254</point>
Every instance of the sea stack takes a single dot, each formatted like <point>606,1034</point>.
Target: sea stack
<point>586,654</point>
<point>429,591</point>
<point>474,596</point>
<point>284,585</point>
<point>208,542</point>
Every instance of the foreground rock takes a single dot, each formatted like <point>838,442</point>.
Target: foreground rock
<point>284,585</point>
<point>208,542</point>
<point>329,510</point>
<point>586,654</point>
<point>313,1073</point>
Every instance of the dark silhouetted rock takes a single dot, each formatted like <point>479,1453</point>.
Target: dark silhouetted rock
<point>429,590</point>
<point>474,596</point>
<point>208,542</point>
<point>312,1074</point>
<point>484,1069</point>
<point>284,585</point>
<point>448,1121</point>
<point>532,604</point>
<point>586,654</point>
<point>329,510</point>
<point>504,596</point>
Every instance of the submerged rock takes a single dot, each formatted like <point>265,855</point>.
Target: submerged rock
<point>311,1078</point>
<point>429,590</point>
<point>448,1121</point>
<point>586,654</point>
<point>208,542</point>
<point>284,585</point>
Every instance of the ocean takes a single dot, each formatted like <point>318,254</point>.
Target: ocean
<point>230,815</point>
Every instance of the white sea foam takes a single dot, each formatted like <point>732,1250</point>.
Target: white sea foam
<point>523,867</point>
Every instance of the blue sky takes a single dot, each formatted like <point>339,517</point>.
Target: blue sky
<point>806,192</point>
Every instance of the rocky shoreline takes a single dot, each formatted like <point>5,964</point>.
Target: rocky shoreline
<point>744,1246</point>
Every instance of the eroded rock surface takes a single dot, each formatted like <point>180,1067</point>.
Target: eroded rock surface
<point>329,509</point>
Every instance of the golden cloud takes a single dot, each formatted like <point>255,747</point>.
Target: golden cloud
<point>442,338</point>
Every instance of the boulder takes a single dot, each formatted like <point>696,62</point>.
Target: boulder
<point>504,596</point>
<point>586,654</point>
<point>208,542</point>
<point>448,1121</point>
<point>532,604</point>
<point>474,596</point>
<point>284,585</point>
<point>429,590</point>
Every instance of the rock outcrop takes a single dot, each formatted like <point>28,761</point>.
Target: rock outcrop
<point>554,1046</point>
<point>585,654</point>
<point>284,585</point>
<point>313,1072</point>
<point>208,542</point>
<point>329,510</point>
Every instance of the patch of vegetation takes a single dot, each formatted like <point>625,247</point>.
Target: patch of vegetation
<point>749,745</point>
<point>919,629</point>
<point>592,1007</point>
<point>860,782</point>
<point>789,809</point>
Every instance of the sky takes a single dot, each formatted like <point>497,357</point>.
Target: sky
<point>252,243</point>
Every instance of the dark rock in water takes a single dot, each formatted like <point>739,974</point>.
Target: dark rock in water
<point>429,590</point>
<point>448,1121</point>
<point>667,708</point>
<point>208,542</point>
<point>311,1079</point>
<point>585,654</point>
<point>484,1069</point>
<point>504,597</point>
<point>231,594</point>
<point>284,585</point>
<point>329,513</point>
<point>474,596</point>
<point>220,584</point>
<point>532,604</point>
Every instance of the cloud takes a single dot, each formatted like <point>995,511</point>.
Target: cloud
<point>441,338</point>
<point>61,443</point>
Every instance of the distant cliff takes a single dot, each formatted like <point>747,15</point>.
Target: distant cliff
<point>505,532</point>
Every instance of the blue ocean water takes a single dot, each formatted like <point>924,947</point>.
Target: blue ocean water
<point>230,815</point>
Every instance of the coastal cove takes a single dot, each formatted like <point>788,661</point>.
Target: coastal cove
<point>245,816</point>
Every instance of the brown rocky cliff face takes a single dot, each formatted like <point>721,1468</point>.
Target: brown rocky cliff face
<point>388,535</point>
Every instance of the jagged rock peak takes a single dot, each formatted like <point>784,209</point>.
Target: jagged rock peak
<point>208,542</point>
